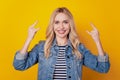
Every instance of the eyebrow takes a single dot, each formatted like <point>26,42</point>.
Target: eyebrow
<point>63,20</point>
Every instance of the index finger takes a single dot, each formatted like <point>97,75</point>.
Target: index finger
<point>93,26</point>
<point>35,23</point>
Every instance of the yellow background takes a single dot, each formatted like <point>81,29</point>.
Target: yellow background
<point>17,15</point>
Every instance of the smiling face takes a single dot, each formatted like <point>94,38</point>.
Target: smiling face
<point>61,25</point>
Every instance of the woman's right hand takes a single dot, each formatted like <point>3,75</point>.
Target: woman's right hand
<point>32,31</point>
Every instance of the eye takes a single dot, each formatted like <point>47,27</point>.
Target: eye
<point>56,22</point>
<point>66,22</point>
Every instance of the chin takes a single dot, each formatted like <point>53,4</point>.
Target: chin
<point>62,36</point>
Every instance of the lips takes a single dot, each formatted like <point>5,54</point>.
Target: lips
<point>61,31</point>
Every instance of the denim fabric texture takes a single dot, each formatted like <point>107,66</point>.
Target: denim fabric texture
<point>74,66</point>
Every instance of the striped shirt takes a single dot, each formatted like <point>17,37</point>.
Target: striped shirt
<point>60,72</point>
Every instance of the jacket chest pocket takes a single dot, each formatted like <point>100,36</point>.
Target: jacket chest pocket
<point>42,58</point>
<point>79,62</point>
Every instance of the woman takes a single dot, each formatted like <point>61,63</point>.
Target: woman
<point>62,55</point>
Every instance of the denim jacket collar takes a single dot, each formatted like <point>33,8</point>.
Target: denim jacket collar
<point>55,43</point>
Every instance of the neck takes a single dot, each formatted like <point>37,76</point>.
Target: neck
<point>62,41</point>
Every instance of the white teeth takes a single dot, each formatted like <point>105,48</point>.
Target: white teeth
<point>61,31</point>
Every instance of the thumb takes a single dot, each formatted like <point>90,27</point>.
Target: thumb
<point>88,32</point>
<point>37,29</point>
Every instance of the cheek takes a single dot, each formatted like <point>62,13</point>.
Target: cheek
<point>55,29</point>
<point>68,28</point>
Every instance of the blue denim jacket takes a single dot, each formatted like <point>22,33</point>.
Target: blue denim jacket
<point>47,66</point>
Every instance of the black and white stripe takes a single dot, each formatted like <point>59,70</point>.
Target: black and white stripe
<point>60,72</point>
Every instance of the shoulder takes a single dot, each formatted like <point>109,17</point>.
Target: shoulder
<point>82,48</point>
<point>40,45</point>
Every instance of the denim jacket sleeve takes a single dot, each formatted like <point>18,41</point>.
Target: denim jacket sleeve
<point>24,61</point>
<point>97,63</point>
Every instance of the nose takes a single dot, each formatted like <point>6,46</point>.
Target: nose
<point>61,26</point>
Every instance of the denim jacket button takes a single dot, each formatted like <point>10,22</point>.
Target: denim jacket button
<point>68,57</point>
<point>69,76</point>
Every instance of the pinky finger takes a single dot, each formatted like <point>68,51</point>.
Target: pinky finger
<point>37,29</point>
<point>88,32</point>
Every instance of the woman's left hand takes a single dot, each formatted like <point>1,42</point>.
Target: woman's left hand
<point>94,33</point>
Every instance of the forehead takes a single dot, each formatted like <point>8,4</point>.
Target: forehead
<point>61,16</point>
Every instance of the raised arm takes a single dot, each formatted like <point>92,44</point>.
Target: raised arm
<point>98,63</point>
<point>31,33</point>
<point>24,59</point>
<point>95,35</point>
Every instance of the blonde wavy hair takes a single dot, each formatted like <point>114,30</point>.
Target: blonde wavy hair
<point>50,35</point>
